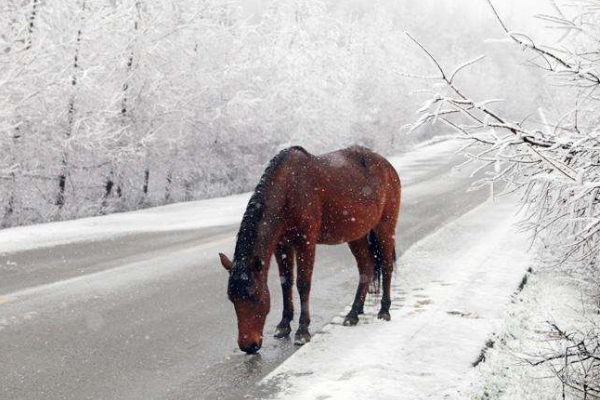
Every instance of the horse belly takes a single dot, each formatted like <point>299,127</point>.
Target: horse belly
<point>344,222</point>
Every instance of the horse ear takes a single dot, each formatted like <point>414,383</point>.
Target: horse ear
<point>227,264</point>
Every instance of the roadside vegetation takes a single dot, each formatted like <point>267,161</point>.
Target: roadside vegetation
<point>549,155</point>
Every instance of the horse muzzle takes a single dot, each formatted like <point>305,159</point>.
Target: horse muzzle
<point>251,349</point>
<point>250,346</point>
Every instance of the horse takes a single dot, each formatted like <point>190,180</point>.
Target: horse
<point>349,196</point>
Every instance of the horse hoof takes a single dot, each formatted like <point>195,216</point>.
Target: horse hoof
<point>302,338</point>
<point>350,320</point>
<point>384,315</point>
<point>281,333</point>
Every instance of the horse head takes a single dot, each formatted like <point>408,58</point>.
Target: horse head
<point>247,290</point>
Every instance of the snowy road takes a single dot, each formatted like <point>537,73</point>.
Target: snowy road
<point>133,306</point>
<point>449,299</point>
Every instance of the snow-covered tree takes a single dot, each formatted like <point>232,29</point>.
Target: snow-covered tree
<point>550,154</point>
<point>114,105</point>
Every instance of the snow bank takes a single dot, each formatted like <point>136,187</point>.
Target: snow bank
<point>551,297</point>
<point>200,214</point>
<point>450,294</point>
<point>413,165</point>
<point>181,216</point>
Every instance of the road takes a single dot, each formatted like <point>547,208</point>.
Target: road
<point>146,316</point>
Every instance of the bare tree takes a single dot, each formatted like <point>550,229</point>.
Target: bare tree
<point>62,178</point>
<point>574,358</point>
<point>23,45</point>
<point>554,164</point>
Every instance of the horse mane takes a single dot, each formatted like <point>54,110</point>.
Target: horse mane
<point>240,279</point>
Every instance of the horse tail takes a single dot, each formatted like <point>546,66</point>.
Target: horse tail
<point>377,253</point>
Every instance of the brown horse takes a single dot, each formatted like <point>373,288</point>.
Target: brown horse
<point>347,196</point>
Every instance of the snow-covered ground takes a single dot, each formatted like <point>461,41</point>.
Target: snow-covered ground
<point>526,336</point>
<point>449,298</point>
<point>180,216</point>
<point>454,291</point>
<point>220,211</point>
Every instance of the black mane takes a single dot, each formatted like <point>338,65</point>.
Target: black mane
<point>239,281</point>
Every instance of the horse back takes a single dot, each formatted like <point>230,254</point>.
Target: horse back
<point>357,174</point>
<point>344,193</point>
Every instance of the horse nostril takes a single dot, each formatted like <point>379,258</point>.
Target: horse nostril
<point>251,349</point>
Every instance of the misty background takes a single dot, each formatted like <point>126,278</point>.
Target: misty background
<point>116,105</point>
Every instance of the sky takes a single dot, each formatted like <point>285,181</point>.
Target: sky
<point>519,14</point>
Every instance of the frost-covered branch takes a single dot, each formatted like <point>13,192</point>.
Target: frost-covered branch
<point>574,358</point>
<point>555,165</point>
<point>572,65</point>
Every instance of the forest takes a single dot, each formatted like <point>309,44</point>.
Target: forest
<point>110,106</point>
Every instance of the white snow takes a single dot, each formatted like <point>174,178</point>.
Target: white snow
<point>413,165</point>
<point>549,296</point>
<point>450,293</point>
<point>220,211</point>
<point>181,216</point>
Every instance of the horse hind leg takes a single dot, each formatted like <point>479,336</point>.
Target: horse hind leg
<point>386,241</point>
<point>284,256</point>
<point>365,263</point>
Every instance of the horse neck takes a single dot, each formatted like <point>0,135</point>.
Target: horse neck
<point>262,234</point>
<point>268,233</point>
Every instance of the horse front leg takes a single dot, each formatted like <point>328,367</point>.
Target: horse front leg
<point>285,261</point>
<point>306,262</point>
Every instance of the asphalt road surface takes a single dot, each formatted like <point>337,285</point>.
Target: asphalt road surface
<point>146,316</point>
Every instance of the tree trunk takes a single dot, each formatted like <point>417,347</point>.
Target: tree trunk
<point>168,187</point>
<point>108,188</point>
<point>31,25</point>
<point>62,178</point>
<point>146,181</point>
<point>10,209</point>
<point>145,187</point>
<point>125,113</point>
